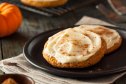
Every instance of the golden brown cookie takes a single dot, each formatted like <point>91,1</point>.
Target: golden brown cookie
<point>111,36</point>
<point>44,3</point>
<point>73,49</point>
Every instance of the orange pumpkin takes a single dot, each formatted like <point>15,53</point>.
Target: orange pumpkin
<point>10,19</point>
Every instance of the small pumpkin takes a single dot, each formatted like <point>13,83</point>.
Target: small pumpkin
<point>10,19</point>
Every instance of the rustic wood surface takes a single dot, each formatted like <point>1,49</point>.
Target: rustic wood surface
<point>34,24</point>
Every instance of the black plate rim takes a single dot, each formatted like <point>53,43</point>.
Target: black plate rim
<point>102,73</point>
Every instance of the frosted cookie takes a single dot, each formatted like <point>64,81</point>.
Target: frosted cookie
<point>111,36</point>
<point>73,49</point>
<point>44,3</point>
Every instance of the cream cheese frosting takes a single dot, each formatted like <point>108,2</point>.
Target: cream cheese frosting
<point>71,45</point>
<point>110,36</point>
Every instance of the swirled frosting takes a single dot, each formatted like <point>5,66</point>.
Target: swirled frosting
<point>70,45</point>
<point>110,36</point>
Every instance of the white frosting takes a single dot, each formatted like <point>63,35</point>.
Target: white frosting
<point>72,46</point>
<point>110,36</point>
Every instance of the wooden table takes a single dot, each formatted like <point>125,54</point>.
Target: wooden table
<point>34,24</point>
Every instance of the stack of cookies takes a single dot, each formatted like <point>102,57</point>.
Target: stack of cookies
<point>81,46</point>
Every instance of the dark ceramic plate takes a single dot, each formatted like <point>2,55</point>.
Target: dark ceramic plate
<point>112,63</point>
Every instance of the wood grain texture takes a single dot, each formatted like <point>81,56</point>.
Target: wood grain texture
<point>0,49</point>
<point>65,21</point>
<point>1,54</point>
<point>121,80</point>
